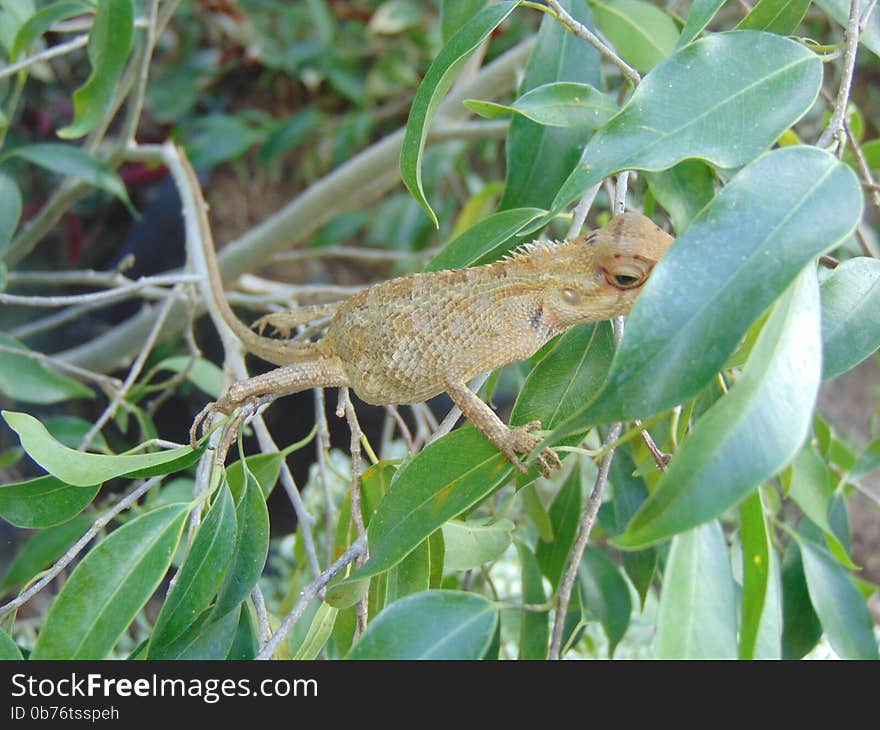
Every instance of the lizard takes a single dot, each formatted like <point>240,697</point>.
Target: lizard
<point>411,338</point>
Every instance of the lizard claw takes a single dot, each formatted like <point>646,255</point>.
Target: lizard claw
<point>273,321</point>
<point>521,440</point>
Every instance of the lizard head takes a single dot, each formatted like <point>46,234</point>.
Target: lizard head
<point>599,276</point>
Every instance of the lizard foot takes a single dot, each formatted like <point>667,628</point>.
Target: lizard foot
<point>521,440</point>
<point>277,321</point>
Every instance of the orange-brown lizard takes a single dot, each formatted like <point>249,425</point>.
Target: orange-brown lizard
<point>414,337</point>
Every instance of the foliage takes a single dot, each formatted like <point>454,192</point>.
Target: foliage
<point>740,546</point>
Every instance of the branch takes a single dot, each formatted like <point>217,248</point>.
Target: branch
<point>851,39</point>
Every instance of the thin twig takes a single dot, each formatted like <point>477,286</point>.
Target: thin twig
<point>322,444</point>
<point>265,631</point>
<point>136,100</point>
<point>581,31</point>
<point>78,546</point>
<point>582,210</point>
<point>851,40</point>
<point>566,585</point>
<point>448,423</point>
<point>109,295</point>
<point>354,252</point>
<point>405,433</point>
<point>357,549</point>
<point>46,55</point>
<point>865,172</point>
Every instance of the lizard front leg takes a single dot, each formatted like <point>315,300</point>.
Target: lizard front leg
<point>510,441</point>
<point>322,372</point>
<point>285,322</point>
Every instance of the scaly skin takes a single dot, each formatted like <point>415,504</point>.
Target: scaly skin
<point>411,338</point>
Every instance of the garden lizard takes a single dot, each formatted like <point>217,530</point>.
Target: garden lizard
<point>408,339</point>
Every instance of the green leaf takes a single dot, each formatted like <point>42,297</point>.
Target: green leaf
<point>318,633</point>
<point>801,629</point>
<point>838,603</point>
<point>697,616</point>
<point>867,463</point>
<point>200,372</point>
<point>84,470</point>
<point>265,468</point>
<point>43,549</point>
<point>200,576</point>
<point>430,625</point>
<point>761,609</point>
<point>110,586</point>
<point>683,190</point>
<point>456,13</point>
<point>204,639</point>
<point>850,315</point>
<point>29,381</point>
<point>217,138</point>
<point>442,481</point>
<point>245,643</point>
<point>540,158</point>
<point>749,434</point>
<point>42,20</point>
<point>290,135</point>
<point>812,488</point>
<point>484,240</point>
<point>470,545</point>
<point>605,596</point>
<point>63,159</point>
<point>110,41</point>
<point>559,104</point>
<point>801,202</point>
<point>249,550</point>
<point>565,514</point>
<point>691,106</point>
<point>534,626</point>
<point>8,648</point>
<point>43,502</point>
<point>434,86</point>
<point>410,575</point>
<point>10,212</point>
<point>70,431</point>
<point>776,16</point>
<point>699,16</point>
<point>642,33</point>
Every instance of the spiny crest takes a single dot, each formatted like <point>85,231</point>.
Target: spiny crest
<point>532,250</point>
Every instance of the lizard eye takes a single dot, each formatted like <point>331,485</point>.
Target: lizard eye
<point>625,278</point>
<point>571,296</point>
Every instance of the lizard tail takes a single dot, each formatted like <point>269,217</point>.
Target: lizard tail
<point>277,352</point>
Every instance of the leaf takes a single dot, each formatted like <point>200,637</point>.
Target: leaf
<point>290,135</point>
<point>691,106</point>
<point>43,549</point>
<point>43,502</point>
<point>204,639</point>
<point>484,240</point>
<point>217,138</point>
<point>430,625</point>
<point>28,381</point>
<point>434,86</point>
<point>642,33</point>
<point>42,20</point>
<point>776,16</point>
<point>761,610</point>
<point>110,586</point>
<point>867,463</point>
<point>410,575</point>
<point>850,315</point>
<point>812,488</point>
<point>199,577</point>
<point>697,617</point>
<point>683,190</point>
<point>83,470</point>
<point>318,633</point>
<point>456,13</point>
<point>448,477</point>
<point>110,41</point>
<point>245,643</point>
<point>565,514</point>
<point>540,158</point>
<point>70,431</point>
<point>838,603</point>
<point>605,595</point>
<point>801,629</point>
<point>800,202</point>
<point>749,434</point>
<point>200,372</point>
<point>699,16</point>
<point>265,468</point>
<point>534,626</point>
<point>559,104</point>
<point>63,159</point>
<point>8,648</point>
<point>10,212</point>
<point>249,549</point>
<point>470,545</point>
